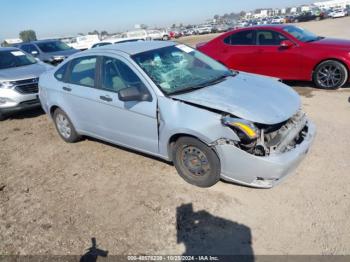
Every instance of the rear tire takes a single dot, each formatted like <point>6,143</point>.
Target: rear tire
<point>330,75</point>
<point>65,127</point>
<point>196,163</point>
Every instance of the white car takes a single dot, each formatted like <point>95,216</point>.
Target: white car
<point>338,13</point>
<point>204,29</point>
<point>84,42</point>
<point>277,20</point>
<point>158,34</point>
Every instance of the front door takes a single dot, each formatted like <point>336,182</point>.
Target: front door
<point>273,60</point>
<point>132,124</point>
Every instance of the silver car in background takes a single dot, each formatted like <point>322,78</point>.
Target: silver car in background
<point>173,102</point>
<point>19,76</point>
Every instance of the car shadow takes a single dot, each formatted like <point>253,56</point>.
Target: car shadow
<point>306,89</point>
<point>32,113</point>
<point>93,253</point>
<point>205,234</point>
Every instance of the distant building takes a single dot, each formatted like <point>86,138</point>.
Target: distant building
<point>305,8</point>
<point>293,10</point>
<point>332,4</point>
<point>248,15</point>
<point>262,13</point>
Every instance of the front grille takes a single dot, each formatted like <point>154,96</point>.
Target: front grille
<point>27,86</point>
<point>27,89</point>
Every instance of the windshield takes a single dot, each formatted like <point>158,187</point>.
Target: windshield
<point>177,69</point>
<point>301,34</point>
<point>53,46</point>
<point>15,58</point>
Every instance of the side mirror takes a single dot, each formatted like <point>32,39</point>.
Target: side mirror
<point>286,44</point>
<point>34,53</point>
<point>133,94</point>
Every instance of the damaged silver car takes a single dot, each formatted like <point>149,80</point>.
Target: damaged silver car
<point>171,101</point>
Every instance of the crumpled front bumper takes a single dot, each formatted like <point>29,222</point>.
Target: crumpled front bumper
<point>262,172</point>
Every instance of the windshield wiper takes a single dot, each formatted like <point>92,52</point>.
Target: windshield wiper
<point>199,86</point>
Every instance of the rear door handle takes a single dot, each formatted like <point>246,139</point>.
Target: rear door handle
<point>106,98</point>
<point>67,89</point>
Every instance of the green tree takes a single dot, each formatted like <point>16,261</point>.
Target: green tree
<point>143,26</point>
<point>242,13</point>
<point>28,35</point>
<point>95,32</point>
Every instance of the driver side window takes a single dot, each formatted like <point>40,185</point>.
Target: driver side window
<point>116,75</point>
<point>271,38</point>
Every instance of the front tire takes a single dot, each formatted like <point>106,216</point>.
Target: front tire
<point>196,163</point>
<point>330,75</point>
<point>65,127</point>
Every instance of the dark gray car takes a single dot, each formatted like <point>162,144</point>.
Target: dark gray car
<point>48,51</point>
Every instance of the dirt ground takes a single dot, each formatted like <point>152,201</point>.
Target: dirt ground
<point>54,197</point>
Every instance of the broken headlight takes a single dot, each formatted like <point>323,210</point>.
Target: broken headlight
<point>245,130</point>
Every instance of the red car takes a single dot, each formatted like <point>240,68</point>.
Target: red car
<point>284,51</point>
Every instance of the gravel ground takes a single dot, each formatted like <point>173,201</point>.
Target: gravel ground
<point>54,197</point>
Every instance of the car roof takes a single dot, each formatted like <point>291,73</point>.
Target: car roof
<point>133,48</point>
<point>40,41</point>
<point>280,26</point>
<point>8,48</point>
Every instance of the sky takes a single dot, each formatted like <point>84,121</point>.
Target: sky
<point>56,18</point>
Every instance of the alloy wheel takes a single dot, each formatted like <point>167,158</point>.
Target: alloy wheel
<point>63,126</point>
<point>330,76</point>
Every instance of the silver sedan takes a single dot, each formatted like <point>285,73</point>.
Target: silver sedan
<point>173,102</point>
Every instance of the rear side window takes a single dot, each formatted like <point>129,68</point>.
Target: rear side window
<point>61,72</point>
<point>241,38</point>
<point>83,71</point>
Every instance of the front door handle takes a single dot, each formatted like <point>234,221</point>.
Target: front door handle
<point>106,98</point>
<point>67,89</point>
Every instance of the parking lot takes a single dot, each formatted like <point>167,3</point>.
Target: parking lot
<point>54,197</point>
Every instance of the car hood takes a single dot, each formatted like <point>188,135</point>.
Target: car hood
<point>255,98</point>
<point>24,72</point>
<point>333,42</point>
<point>65,53</point>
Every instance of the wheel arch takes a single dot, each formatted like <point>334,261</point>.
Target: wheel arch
<point>53,109</point>
<point>175,137</point>
<point>330,59</point>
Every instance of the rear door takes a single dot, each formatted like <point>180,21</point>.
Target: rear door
<point>238,51</point>
<point>273,60</point>
<point>79,93</point>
